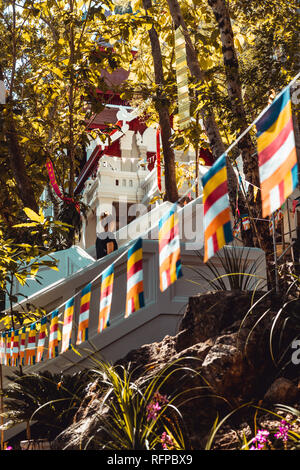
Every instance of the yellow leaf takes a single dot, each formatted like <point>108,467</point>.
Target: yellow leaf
<point>57,72</point>
<point>55,268</point>
<point>33,215</point>
<point>41,214</point>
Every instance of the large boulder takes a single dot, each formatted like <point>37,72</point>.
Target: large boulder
<point>224,342</point>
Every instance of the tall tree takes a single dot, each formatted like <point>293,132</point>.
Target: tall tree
<point>162,107</point>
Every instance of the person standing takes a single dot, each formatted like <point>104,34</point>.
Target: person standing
<point>105,242</point>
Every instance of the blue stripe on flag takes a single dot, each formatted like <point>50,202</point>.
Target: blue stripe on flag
<point>272,114</point>
<point>217,166</point>
<point>108,272</point>
<point>86,289</point>
<point>166,216</point>
<point>295,177</point>
<point>137,245</point>
<point>228,232</point>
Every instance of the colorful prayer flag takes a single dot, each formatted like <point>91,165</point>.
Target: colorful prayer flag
<point>158,160</point>
<point>8,348</point>
<point>182,80</point>
<point>22,346</point>
<point>3,348</point>
<point>67,326</point>
<point>41,340</point>
<point>135,285</point>
<point>31,345</point>
<point>278,169</point>
<point>246,223</point>
<point>83,326</point>
<point>217,226</point>
<point>237,230</point>
<point>169,249</point>
<point>278,215</point>
<point>106,297</point>
<point>53,335</point>
<point>15,349</point>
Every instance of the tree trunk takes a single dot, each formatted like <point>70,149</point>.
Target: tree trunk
<point>211,129</point>
<point>16,159</point>
<point>162,108</point>
<point>248,151</point>
<point>209,122</point>
<point>17,164</point>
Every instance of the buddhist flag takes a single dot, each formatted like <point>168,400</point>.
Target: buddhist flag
<point>158,159</point>
<point>2,348</point>
<point>237,230</point>
<point>169,249</point>
<point>22,346</point>
<point>278,169</point>
<point>217,226</point>
<point>53,336</point>
<point>15,349</point>
<point>84,313</point>
<point>246,223</point>
<point>182,80</point>
<point>135,285</point>
<point>31,346</point>
<point>106,297</point>
<point>41,340</point>
<point>67,327</point>
<point>8,348</point>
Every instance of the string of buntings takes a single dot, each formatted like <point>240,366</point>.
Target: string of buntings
<point>41,340</point>
<point>246,222</point>
<point>55,186</point>
<point>135,284</point>
<point>53,337</point>
<point>169,249</point>
<point>67,326</point>
<point>277,177</point>
<point>106,297</point>
<point>15,349</point>
<point>217,226</point>
<point>31,346</point>
<point>278,170</point>
<point>8,348</point>
<point>84,314</point>
<point>278,215</point>
<point>22,346</point>
<point>2,349</point>
<point>236,231</point>
<point>158,160</point>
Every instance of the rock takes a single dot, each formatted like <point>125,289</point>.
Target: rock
<point>208,314</point>
<point>224,367</point>
<point>214,347</point>
<point>282,391</point>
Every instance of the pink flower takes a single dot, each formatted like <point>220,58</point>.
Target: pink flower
<point>167,442</point>
<point>9,448</point>
<point>154,406</point>
<point>153,409</point>
<point>260,439</point>
<point>283,431</point>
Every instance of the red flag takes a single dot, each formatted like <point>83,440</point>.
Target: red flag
<point>158,159</point>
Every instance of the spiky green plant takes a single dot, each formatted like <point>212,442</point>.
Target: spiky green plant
<point>237,271</point>
<point>124,416</point>
<point>44,398</point>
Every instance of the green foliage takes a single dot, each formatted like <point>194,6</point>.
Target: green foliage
<point>125,420</point>
<point>235,267</point>
<point>44,398</point>
<point>20,261</point>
